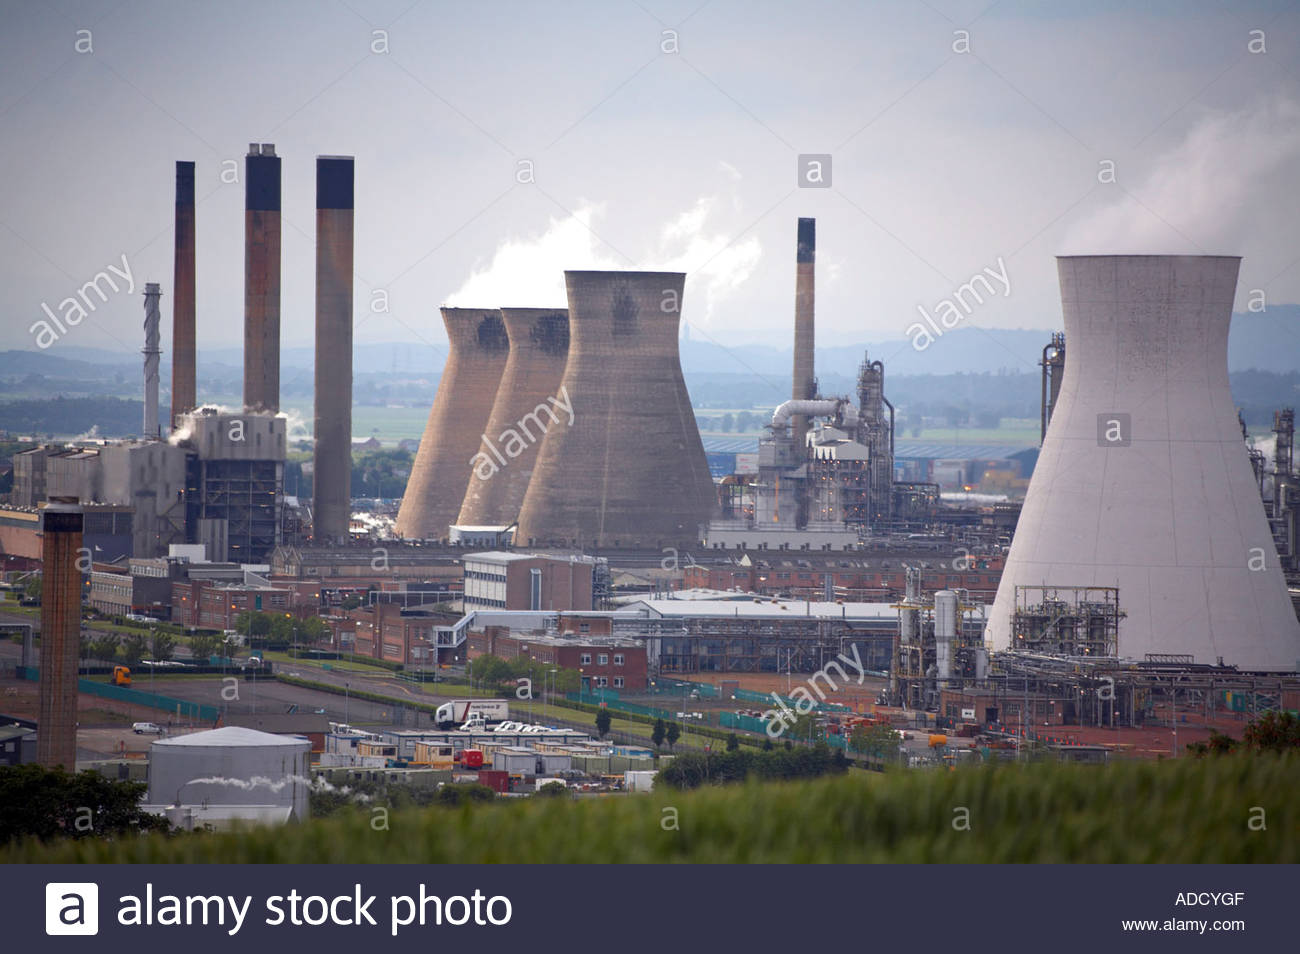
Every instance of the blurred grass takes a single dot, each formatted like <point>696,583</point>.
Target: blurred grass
<point>1189,810</point>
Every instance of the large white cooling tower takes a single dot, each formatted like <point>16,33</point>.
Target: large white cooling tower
<point>1143,481</point>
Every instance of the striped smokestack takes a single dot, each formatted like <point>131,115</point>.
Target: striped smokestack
<point>262,278</point>
<point>333,430</point>
<point>804,331</point>
<point>184,390</point>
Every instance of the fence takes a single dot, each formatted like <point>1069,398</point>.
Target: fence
<point>619,705</point>
<point>138,697</point>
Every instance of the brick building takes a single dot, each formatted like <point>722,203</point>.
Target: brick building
<point>523,581</point>
<point>609,662</point>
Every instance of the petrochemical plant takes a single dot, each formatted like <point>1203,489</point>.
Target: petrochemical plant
<point>1145,577</point>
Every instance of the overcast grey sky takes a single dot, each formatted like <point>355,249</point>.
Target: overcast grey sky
<point>650,149</point>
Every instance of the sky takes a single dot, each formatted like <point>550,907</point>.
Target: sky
<point>498,144</point>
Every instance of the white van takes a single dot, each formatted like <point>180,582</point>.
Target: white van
<point>146,728</point>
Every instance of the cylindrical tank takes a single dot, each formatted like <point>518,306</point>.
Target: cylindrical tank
<point>476,357</point>
<point>945,632</point>
<point>1143,481</point>
<point>630,470</point>
<point>231,766</point>
<point>524,411</point>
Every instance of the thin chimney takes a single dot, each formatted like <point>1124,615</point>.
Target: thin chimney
<point>262,278</point>
<point>804,384</point>
<point>184,389</point>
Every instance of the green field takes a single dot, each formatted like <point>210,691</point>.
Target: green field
<point>1189,810</point>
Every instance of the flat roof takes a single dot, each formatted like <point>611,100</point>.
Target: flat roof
<point>769,609</point>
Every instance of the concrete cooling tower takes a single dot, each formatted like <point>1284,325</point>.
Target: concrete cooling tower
<point>630,470</point>
<point>525,409</point>
<point>477,350</point>
<point>1143,481</point>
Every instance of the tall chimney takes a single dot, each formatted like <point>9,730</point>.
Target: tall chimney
<point>61,543</point>
<point>184,389</point>
<point>262,278</point>
<point>333,429</point>
<point>152,349</point>
<point>804,386</point>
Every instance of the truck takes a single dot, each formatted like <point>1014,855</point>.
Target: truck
<point>121,676</point>
<point>459,711</point>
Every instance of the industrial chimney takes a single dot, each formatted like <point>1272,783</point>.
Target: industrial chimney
<point>184,390</point>
<point>477,350</point>
<point>151,352</point>
<point>62,522</point>
<point>1143,482</point>
<point>332,474</point>
<point>804,380</point>
<point>262,278</point>
<point>629,470</point>
<point>522,413</point>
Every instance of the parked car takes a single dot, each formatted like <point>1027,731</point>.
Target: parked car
<point>146,728</point>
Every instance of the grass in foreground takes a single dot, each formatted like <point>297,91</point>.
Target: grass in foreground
<point>1192,810</point>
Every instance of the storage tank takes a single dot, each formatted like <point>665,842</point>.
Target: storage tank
<point>630,470</point>
<point>945,633</point>
<point>524,411</point>
<point>1143,481</point>
<point>476,357</point>
<point>231,766</point>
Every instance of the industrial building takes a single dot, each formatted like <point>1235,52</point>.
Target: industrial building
<point>528,581</point>
<point>825,468</point>
<point>1143,482</point>
<point>629,469</point>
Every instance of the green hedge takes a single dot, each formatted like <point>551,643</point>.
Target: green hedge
<point>1174,811</point>
<point>706,731</point>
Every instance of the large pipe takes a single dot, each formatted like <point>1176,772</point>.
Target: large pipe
<point>262,278</point>
<point>184,388</point>
<point>332,453</point>
<point>804,385</point>
<point>152,351</point>
<point>62,523</point>
<point>826,407</point>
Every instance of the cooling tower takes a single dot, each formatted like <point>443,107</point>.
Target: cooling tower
<point>804,386</point>
<point>630,468</point>
<point>1143,481</point>
<point>476,357</point>
<point>523,412</point>
<point>332,433</point>
<point>262,278</point>
<point>184,392</point>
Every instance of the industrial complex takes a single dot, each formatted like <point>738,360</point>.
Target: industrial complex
<point>560,514</point>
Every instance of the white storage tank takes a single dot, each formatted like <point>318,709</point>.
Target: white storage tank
<point>231,766</point>
<point>945,632</point>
